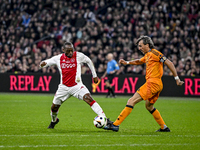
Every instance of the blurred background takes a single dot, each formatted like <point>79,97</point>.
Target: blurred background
<point>34,30</point>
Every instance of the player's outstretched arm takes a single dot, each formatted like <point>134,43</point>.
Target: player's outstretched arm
<point>90,65</point>
<point>170,65</point>
<point>134,62</point>
<point>50,61</point>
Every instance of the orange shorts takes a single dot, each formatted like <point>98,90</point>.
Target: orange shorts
<point>150,91</point>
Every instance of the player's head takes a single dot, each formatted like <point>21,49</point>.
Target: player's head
<point>109,56</point>
<point>144,43</point>
<point>68,49</point>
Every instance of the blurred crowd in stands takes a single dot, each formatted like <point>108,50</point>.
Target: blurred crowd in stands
<point>34,30</point>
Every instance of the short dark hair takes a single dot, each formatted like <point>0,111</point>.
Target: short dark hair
<point>67,43</point>
<point>146,40</point>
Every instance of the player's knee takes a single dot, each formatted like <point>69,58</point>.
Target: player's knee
<point>132,102</point>
<point>87,98</point>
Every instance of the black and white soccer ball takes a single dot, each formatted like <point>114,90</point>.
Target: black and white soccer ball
<point>100,121</point>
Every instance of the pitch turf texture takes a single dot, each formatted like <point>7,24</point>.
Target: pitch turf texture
<point>25,118</point>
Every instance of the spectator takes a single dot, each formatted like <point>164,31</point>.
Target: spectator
<point>37,30</point>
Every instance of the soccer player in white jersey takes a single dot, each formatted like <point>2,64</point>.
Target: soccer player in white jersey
<point>69,66</point>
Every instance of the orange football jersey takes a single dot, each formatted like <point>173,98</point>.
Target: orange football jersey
<point>154,64</point>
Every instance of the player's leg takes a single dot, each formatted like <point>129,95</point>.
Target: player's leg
<point>54,113</point>
<point>128,109</point>
<point>125,112</point>
<point>137,97</point>
<point>93,104</point>
<point>153,92</point>
<point>82,93</point>
<point>60,96</point>
<point>157,116</point>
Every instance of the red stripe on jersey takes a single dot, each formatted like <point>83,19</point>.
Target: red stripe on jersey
<point>69,68</point>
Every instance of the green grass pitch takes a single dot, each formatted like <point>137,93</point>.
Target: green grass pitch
<point>25,118</point>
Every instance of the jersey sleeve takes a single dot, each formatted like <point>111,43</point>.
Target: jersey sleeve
<point>143,59</point>
<point>87,60</point>
<point>50,62</point>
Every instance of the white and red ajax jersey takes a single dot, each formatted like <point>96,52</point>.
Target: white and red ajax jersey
<point>70,68</point>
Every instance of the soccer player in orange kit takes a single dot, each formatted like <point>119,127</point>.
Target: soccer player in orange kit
<point>151,89</point>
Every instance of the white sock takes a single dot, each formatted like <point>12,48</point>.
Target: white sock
<point>54,116</point>
<point>97,109</point>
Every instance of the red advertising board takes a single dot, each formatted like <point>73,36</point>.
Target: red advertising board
<point>122,84</point>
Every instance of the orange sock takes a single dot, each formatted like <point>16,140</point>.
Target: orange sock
<point>125,112</point>
<point>158,118</point>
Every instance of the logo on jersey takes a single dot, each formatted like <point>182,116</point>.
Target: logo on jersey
<point>72,60</point>
<point>67,61</point>
<point>64,65</point>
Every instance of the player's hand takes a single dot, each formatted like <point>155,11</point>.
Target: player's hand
<point>42,64</point>
<point>179,82</point>
<point>122,61</point>
<point>95,80</point>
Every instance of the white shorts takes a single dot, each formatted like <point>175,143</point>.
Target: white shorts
<point>64,92</point>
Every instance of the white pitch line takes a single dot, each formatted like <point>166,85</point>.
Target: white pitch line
<point>97,145</point>
<point>61,135</point>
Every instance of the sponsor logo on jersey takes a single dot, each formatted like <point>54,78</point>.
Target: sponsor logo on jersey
<point>64,65</point>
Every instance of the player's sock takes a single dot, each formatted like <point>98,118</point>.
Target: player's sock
<point>125,112</point>
<point>54,115</point>
<point>158,118</point>
<point>97,108</point>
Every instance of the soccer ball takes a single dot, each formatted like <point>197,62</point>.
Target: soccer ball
<point>100,121</point>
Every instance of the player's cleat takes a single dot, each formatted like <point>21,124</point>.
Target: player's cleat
<point>52,124</point>
<point>163,130</point>
<point>115,128</point>
<point>109,122</point>
<point>111,126</point>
